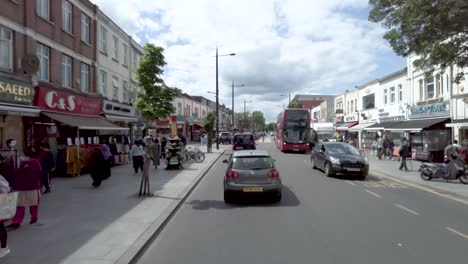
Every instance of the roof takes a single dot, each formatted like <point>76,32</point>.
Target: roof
<point>311,97</point>
<point>250,153</point>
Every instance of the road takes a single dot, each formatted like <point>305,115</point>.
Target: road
<point>320,220</point>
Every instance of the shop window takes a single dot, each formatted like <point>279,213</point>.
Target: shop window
<point>392,95</point>
<point>430,87</point>
<point>84,28</point>
<point>368,101</point>
<point>385,96</point>
<point>67,10</point>
<point>6,48</point>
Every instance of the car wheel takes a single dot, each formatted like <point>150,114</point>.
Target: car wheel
<point>312,160</point>
<point>328,170</point>
<point>228,197</point>
<point>277,197</point>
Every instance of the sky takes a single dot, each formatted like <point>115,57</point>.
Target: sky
<point>282,46</point>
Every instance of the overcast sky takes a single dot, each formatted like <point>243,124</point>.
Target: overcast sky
<point>302,46</point>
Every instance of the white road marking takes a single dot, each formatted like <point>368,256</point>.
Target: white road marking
<point>350,182</point>
<point>406,209</point>
<point>457,232</point>
<point>373,193</point>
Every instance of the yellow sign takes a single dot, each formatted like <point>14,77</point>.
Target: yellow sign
<point>12,91</point>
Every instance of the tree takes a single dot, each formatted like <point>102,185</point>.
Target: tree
<point>156,99</point>
<point>258,121</point>
<point>242,120</point>
<point>436,31</point>
<point>294,105</point>
<point>270,126</point>
<point>209,123</point>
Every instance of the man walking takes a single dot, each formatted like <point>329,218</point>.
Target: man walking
<point>404,151</point>
<point>380,143</point>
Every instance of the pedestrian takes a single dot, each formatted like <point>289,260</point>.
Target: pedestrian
<point>27,182</point>
<point>163,147</point>
<point>452,150</point>
<point>137,156</point>
<point>183,139</point>
<point>156,148</point>
<point>202,139</point>
<point>4,250</point>
<point>380,142</point>
<point>391,147</point>
<point>404,152</point>
<point>46,159</point>
<point>385,147</point>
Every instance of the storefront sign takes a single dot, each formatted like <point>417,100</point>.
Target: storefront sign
<point>430,110</point>
<point>392,118</point>
<point>64,102</point>
<point>351,118</point>
<point>110,107</point>
<point>15,92</point>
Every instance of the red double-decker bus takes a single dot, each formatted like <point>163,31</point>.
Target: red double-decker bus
<point>292,130</point>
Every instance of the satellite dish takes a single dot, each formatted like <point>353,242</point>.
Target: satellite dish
<point>30,63</point>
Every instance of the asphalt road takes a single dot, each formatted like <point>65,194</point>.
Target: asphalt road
<point>320,220</point>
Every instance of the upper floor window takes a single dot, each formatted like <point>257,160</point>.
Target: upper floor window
<point>6,48</point>
<point>430,93</point>
<point>84,77</point>
<point>67,11</point>
<point>42,53</point>
<point>392,95</point>
<point>400,93</point>
<point>115,86</point>
<point>439,85</point>
<point>385,94</point>
<point>179,108</point>
<point>352,106</point>
<point>355,105</point>
<point>116,47</point>
<point>43,8</point>
<point>125,54</point>
<point>67,71</point>
<point>103,82</point>
<point>421,90</point>
<point>84,28</point>
<point>125,90</point>
<point>103,39</point>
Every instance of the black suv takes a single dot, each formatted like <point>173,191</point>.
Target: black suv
<point>243,141</point>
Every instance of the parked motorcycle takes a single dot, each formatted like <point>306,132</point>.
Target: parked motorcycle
<point>454,170</point>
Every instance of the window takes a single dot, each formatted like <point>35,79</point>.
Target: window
<point>352,105</point>
<point>400,93</point>
<point>84,28</point>
<point>392,95</point>
<point>187,110</point>
<point>103,40</point>
<point>347,108</point>
<point>42,8</point>
<point>66,71</point>
<point>179,108</point>
<point>103,82</point>
<point>84,77</point>
<point>115,86</point>
<point>355,105</point>
<point>368,101</point>
<point>125,90</point>
<point>116,47</point>
<point>439,86</point>
<point>6,48</point>
<point>203,113</point>
<point>42,53</point>
<point>67,16</point>
<point>125,54</point>
<point>385,96</point>
<point>430,87</point>
<point>421,90</point>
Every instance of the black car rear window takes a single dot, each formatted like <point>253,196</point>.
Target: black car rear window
<point>243,139</point>
<point>252,163</point>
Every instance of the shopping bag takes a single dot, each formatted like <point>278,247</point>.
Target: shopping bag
<point>8,205</point>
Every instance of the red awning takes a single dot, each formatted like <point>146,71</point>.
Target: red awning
<point>345,126</point>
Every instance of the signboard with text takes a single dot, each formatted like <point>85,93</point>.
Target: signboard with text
<point>15,92</point>
<point>429,110</point>
<point>351,118</point>
<point>65,102</point>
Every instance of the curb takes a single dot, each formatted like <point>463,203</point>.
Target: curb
<point>430,189</point>
<point>139,247</point>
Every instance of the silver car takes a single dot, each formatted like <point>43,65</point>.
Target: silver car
<point>251,171</point>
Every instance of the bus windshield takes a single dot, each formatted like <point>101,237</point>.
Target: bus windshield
<point>296,118</point>
<point>298,135</point>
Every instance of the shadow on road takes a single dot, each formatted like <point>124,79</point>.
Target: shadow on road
<point>248,200</point>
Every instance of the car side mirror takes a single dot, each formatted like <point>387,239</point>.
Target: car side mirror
<point>225,161</point>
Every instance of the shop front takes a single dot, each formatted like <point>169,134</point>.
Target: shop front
<point>343,129</point>
<point>16,106</point>
<point>72,125</point>
<point>195,128</point>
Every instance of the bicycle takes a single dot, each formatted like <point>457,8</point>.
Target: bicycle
<point>194,153</point>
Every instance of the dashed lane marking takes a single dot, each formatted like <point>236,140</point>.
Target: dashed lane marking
<point>373,193</point>
<point>457,232</point>
<point>406,209</point>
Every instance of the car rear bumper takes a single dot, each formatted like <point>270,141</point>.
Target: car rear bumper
<point>339,169</point>
<point>296,147</point>
<point>243,147</point>
<point>235,187</point>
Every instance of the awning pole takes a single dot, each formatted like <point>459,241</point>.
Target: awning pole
<point>79,142</point>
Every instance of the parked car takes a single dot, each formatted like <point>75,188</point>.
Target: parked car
<point>243,141</point>
<point>251,171</point>
<point>225,138</point>
<point>339,157</point>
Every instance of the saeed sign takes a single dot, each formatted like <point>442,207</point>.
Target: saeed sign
<point>65,102</point>
<point>12,91</point>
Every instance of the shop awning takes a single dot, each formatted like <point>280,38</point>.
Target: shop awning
<point>11,109</point>
<point>84,122</point>
<point>382,126</point>
<point>458,123</point>
<point>117,118</point>
<point>346,125</point>
<point>417,125</point>
<point>360,127</point>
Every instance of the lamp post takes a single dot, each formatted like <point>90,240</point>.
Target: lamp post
<point>217,96</point>
<point>245,102</point>
<point>233,113</point>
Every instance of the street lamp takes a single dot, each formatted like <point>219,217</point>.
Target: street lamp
<point>245,102</point>
<point>239,85</point>
<point>217,96</point>
<point>289,95</point>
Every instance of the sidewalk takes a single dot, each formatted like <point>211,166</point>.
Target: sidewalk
<point>390,168</point>
<point>80,224</point>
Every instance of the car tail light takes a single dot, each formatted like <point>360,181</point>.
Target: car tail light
<point>273,173</point>
<point>232,174</point>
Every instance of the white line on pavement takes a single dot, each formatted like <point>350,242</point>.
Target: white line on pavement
<point>350,182</point>
<point>405,208</point>
<point>373,193</point>
<point>457,232</point>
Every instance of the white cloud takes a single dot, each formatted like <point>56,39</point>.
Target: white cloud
<point>311,46</point>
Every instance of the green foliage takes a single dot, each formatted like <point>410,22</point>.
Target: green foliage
<point>242,120</point>
<point>209,123</point>
<point>270,127</point>
<point>294,105</point>
<point>437,31</point>
<point>258,121</point>
<point>156,99</point>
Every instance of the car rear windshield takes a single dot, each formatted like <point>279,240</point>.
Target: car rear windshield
<point>243,139</point>
<point>252,163</point>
